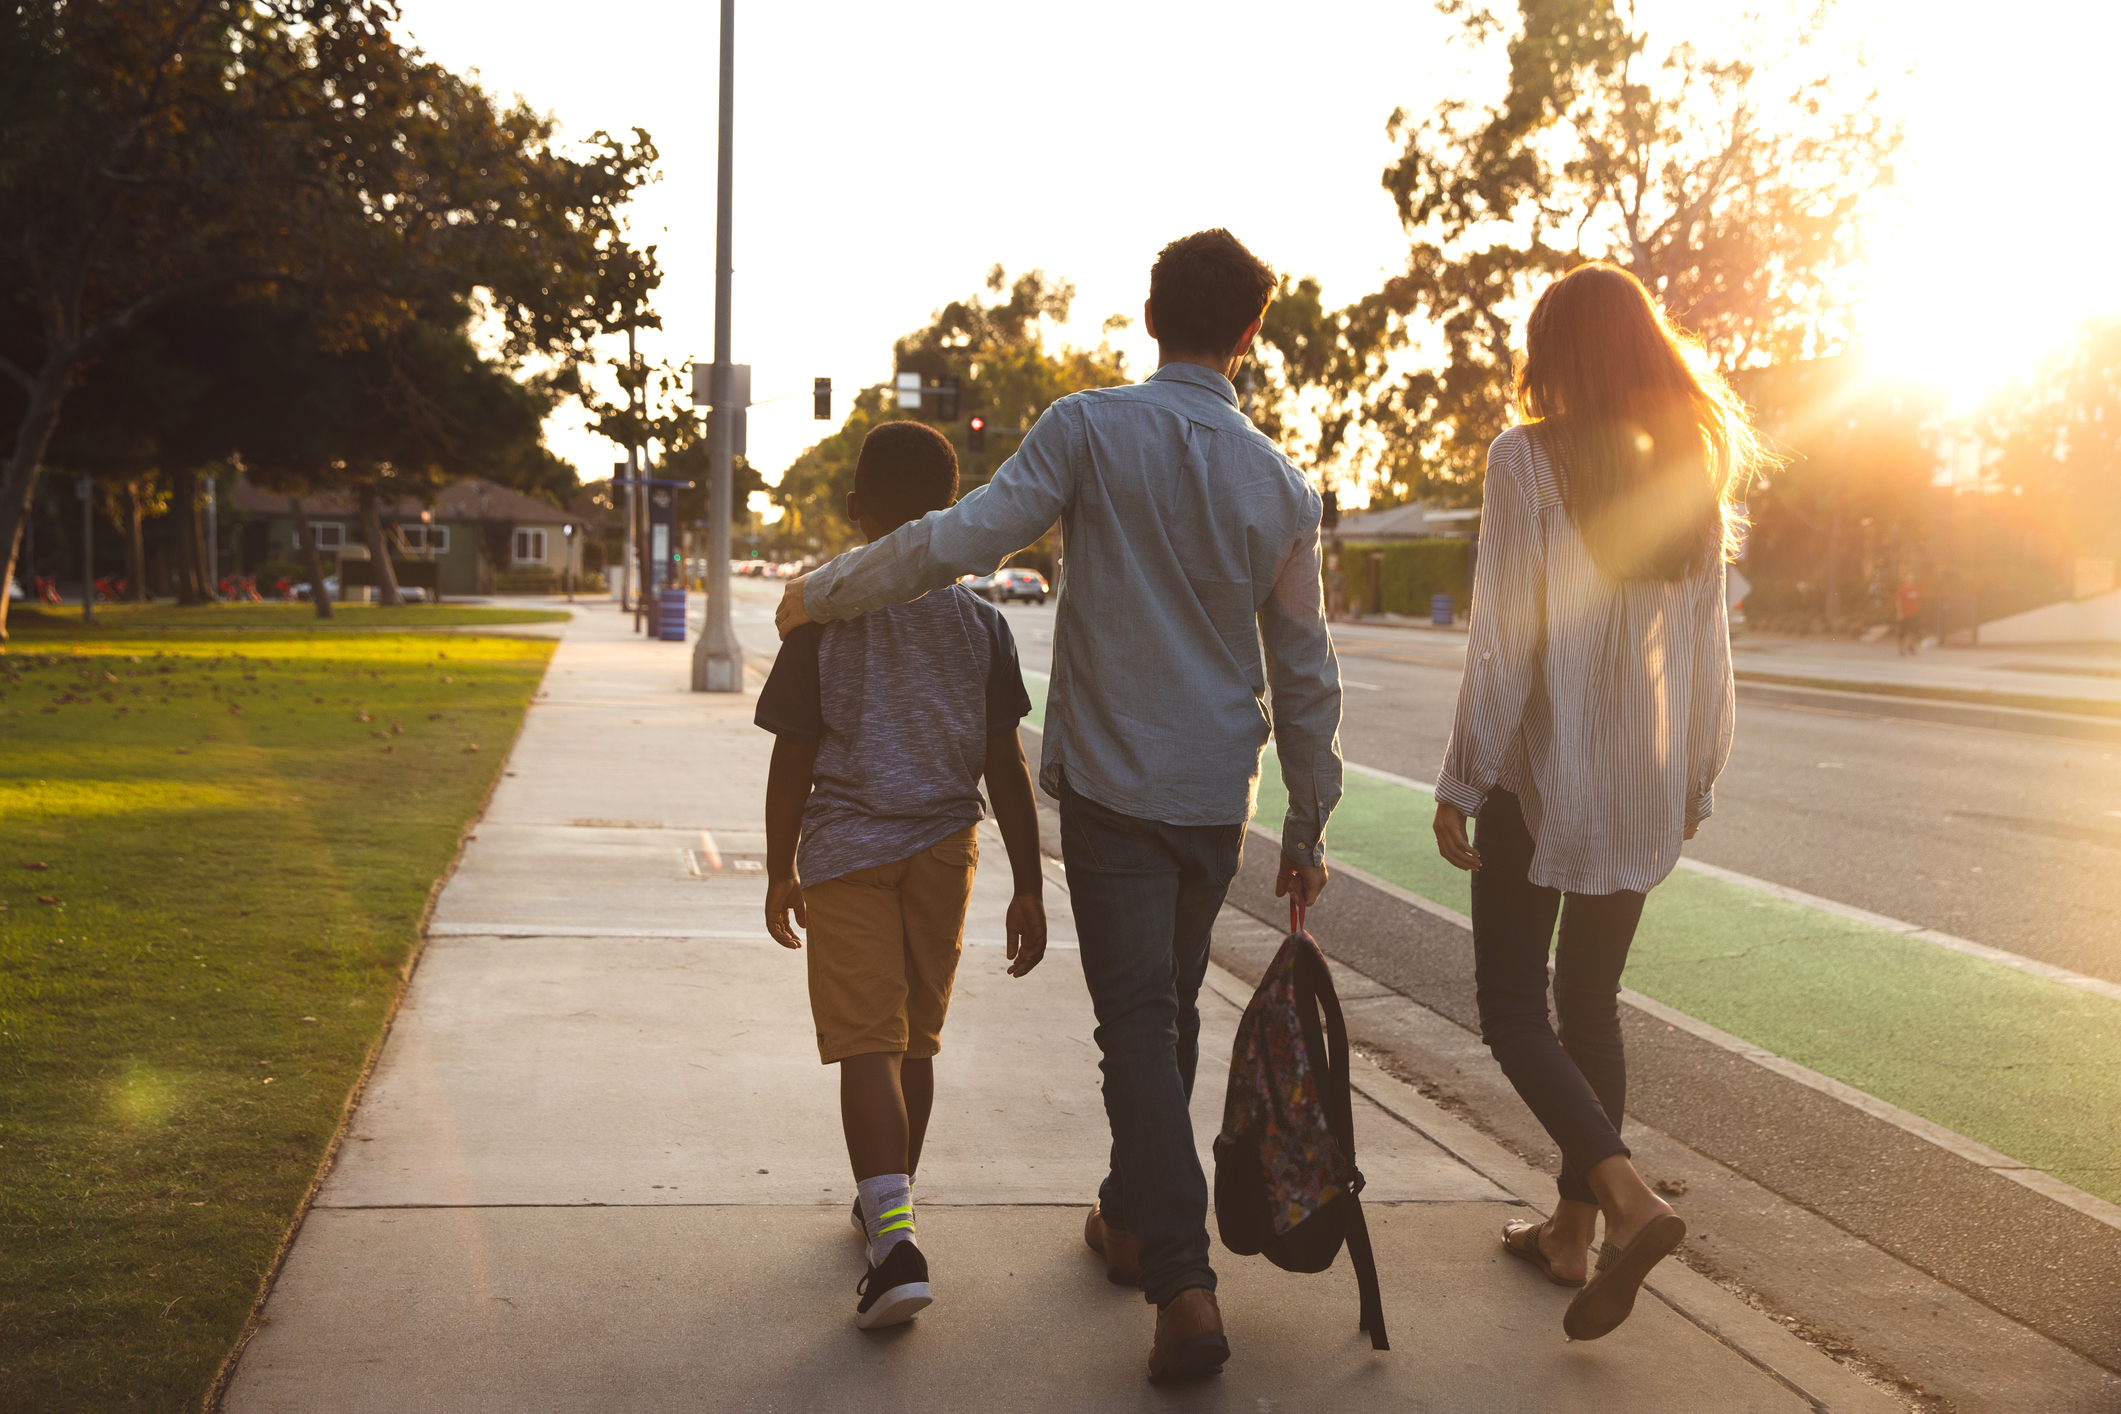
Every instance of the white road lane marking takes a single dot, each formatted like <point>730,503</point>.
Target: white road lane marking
<point>1365,686</point>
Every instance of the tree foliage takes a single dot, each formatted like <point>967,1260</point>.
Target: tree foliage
<point>1735,189</point>
<point>160,151</point>
<point>2055,436</point>
<point>1007,371</point>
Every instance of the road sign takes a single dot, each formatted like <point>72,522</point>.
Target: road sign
<point>909,392</point>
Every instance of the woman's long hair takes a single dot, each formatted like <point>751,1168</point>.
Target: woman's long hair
<point>1651,444</point>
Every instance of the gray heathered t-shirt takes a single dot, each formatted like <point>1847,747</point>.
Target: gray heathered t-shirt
<point>901,702</point>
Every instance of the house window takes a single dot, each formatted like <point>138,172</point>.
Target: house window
<point>328,535</point>
<point>530,547</point>
<point>434,539</point>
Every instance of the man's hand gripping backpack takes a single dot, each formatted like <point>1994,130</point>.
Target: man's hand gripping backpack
<point>1285,1175</point>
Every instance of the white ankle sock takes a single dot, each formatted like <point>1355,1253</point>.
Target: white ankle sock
<point>887,1211</point>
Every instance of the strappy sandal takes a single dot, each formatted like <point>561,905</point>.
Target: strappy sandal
<point>1521,1240</point>
<point>1610,1294</point>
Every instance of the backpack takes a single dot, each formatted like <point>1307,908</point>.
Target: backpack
<point>1286,1184</point>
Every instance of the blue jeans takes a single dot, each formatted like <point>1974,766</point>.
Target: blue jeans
<point>1145,897</point>
<point>1575,1083</point>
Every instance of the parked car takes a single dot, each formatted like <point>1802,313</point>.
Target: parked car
<point>1009,584</point>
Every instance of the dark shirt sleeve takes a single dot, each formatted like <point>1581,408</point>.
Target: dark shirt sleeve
<point>790,704</point>
<point>1007,702</point>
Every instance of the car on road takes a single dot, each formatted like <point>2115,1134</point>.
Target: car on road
<point>1005,585</point>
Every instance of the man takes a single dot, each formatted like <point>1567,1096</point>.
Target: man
<point>1192,585</point>
<point>1907,608</point>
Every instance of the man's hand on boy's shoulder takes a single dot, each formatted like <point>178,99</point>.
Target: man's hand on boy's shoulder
<point>791,615</point>
<point>783,895</point>
<point>1027,932</point>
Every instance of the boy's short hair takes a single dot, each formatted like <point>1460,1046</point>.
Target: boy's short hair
<point>905,470</point>
<point>1204,289</point>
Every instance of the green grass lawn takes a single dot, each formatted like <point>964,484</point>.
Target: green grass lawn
<point>215,850</point>
<point>120,618</point>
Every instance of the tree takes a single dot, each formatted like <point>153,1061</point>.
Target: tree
<point>2056,440</point>
<point>159,150</point>
<point>999,354</point>
<point>1736,190</point>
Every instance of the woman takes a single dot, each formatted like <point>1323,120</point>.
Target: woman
<point>1593,718</point>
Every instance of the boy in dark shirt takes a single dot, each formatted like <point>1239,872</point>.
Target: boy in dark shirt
<point>884,726</point>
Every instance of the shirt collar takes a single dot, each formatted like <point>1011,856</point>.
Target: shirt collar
<point>1199,377</point>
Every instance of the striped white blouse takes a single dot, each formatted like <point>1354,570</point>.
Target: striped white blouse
<point>1605,706</point>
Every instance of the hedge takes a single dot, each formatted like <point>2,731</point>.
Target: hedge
<point>532,581</point>
<point>1412,571</point>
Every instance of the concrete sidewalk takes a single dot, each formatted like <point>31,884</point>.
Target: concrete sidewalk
<point>599,1166</point>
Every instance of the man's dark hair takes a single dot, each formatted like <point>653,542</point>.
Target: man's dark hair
<point>1203,290</point>
<point>906,470</point>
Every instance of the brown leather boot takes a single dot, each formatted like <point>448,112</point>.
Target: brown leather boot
<point>1121,1249</point>
<point>1189,1337</point>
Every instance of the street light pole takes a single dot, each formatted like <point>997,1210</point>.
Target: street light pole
<point>717,657</point>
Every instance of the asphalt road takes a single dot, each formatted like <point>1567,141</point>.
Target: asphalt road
<point>2009,840</point>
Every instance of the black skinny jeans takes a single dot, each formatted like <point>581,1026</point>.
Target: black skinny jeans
<point>1145,896</point>
<point>1576,1083</point>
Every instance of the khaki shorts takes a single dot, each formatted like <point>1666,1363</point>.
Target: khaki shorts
<point>883,946</point>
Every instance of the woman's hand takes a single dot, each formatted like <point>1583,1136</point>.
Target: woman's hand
<point>782,896</point>
<point>1451,840</point>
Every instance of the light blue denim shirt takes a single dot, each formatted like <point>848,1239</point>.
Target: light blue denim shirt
<point>1189,586</point>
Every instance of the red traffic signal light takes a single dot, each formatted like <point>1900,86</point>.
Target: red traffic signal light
<point>976,426</point>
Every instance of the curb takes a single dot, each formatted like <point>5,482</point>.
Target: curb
<point>1890,703</point>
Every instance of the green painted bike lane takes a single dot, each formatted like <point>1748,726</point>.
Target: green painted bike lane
<point>2028,1066</point>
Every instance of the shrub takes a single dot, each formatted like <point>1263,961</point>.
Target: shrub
<point>1412,571</point>
<point>526,582</point>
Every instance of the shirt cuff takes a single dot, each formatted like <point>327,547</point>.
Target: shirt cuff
<point>1453,791</point>
<point>817,588</point>
<point>1302,843</point>
<point>1701,806</point>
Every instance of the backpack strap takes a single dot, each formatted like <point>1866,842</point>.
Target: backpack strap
<point>1315,994</point>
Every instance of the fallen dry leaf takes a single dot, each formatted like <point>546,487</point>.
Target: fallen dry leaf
<point>1674,1187</point>
<point>35,864</point>
<point>46,898</point>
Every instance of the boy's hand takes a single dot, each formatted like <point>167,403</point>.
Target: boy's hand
<point>1027,932</point>
<point>783,895</point>
<point>1306,881</point>
<point>791,615</point>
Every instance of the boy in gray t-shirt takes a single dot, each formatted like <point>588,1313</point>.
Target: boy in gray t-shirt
<point>884,726</point>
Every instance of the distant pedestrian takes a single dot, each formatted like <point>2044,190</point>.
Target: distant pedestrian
<point>884,726</point>
<point>1907,611</point>
<point>1336,589</point>
<point>1192,586</point>
<point>1593,719</point>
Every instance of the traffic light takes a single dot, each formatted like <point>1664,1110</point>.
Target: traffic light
<point>976,429</point>
<point>821,399</point>
<point>946,399</point>
<point>1330,517</point>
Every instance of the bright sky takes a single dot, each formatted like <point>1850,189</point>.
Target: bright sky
<point>886,157</point>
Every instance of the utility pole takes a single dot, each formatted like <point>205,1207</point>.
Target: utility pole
<point>717,657</point>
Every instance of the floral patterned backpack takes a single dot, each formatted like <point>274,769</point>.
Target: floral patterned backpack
<point>1285,1175</point>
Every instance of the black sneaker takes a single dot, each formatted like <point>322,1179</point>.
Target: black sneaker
<point>895,1291</point>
